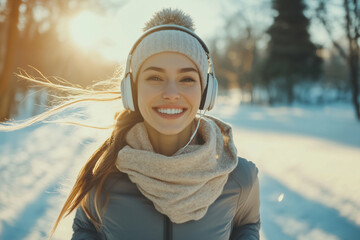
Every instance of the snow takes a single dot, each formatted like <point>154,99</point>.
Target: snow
<point>308,159</point>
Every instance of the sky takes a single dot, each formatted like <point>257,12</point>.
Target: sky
<point>115,34</point>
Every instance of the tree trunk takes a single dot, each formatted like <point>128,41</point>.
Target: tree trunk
<point>353,37</point>
<point>6,93</point>
<point>354,79</point>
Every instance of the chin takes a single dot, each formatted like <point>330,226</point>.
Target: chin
<point>169,130</point>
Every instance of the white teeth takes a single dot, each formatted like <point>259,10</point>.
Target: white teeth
<point>170,110</point>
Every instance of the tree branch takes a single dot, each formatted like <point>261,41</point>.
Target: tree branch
<point>320,15</point>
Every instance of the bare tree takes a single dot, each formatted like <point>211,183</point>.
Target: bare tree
<point>352,30</point>
<point>12,36</point>
<point>243,30</point>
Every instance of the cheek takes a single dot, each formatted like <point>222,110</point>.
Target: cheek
<point>145,97</point>
<point>194,97</point>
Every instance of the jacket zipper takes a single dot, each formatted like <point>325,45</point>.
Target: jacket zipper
<point>167,228</point>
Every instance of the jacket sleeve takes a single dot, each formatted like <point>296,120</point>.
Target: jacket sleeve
<point>246,223</point>
<point>83,228</point>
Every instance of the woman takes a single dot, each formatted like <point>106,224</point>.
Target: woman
<point>165,173</point>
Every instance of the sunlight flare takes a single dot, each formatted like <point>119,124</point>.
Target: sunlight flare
<point>281,197</point>
<point>86,29</point>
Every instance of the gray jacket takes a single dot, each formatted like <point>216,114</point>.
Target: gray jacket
<point>131,216</point>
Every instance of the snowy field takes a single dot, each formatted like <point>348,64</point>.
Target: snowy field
<point>308,157</point>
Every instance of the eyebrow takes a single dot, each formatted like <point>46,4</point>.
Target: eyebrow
<point>182,70</point>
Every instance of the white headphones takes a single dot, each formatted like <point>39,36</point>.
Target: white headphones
<point>209,95</point>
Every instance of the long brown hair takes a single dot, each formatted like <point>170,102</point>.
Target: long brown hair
<point>96,170</point>
<point>101,164</point>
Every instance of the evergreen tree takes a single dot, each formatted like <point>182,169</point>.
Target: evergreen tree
<point>291,54</point>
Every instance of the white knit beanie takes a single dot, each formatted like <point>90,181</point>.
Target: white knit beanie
<point>171,41</point>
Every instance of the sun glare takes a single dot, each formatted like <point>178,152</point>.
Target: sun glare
<point>86,29</point>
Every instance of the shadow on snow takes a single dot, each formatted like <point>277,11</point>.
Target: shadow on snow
<point>297,216</point>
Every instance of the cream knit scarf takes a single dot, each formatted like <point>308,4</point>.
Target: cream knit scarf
<point>184,185</point>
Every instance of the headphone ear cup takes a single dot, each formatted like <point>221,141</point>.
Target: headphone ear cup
<point>126,93</point>
<point>214,91</point>
<point>204,95</point>
<point>209,94</point>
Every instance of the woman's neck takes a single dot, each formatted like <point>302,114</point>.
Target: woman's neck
<point>168,144</point>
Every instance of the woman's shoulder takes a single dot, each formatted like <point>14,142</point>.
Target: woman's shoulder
<point>245,173</point>
<point>117,182</point>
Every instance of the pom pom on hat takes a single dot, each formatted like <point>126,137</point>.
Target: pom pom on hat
<point>170,16</point>
<point>171,41</point>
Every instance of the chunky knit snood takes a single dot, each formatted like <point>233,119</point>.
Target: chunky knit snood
<point>184,185</point>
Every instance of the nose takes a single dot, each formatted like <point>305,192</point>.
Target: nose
<point>171,91</point>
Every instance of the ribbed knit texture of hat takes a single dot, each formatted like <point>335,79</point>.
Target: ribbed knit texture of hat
<point>171,41</point>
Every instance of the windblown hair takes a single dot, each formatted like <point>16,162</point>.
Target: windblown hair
<point>72,95</point>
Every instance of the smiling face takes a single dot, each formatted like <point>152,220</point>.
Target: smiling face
<point>169,92</point>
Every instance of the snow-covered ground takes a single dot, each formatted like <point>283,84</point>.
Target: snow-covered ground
<point>308,157</point>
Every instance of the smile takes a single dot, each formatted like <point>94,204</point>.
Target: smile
<point>169,113</point>
<point>170,110</point>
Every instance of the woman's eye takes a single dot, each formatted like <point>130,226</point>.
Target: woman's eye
<point>187,80</point>
<point>154,78</point>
